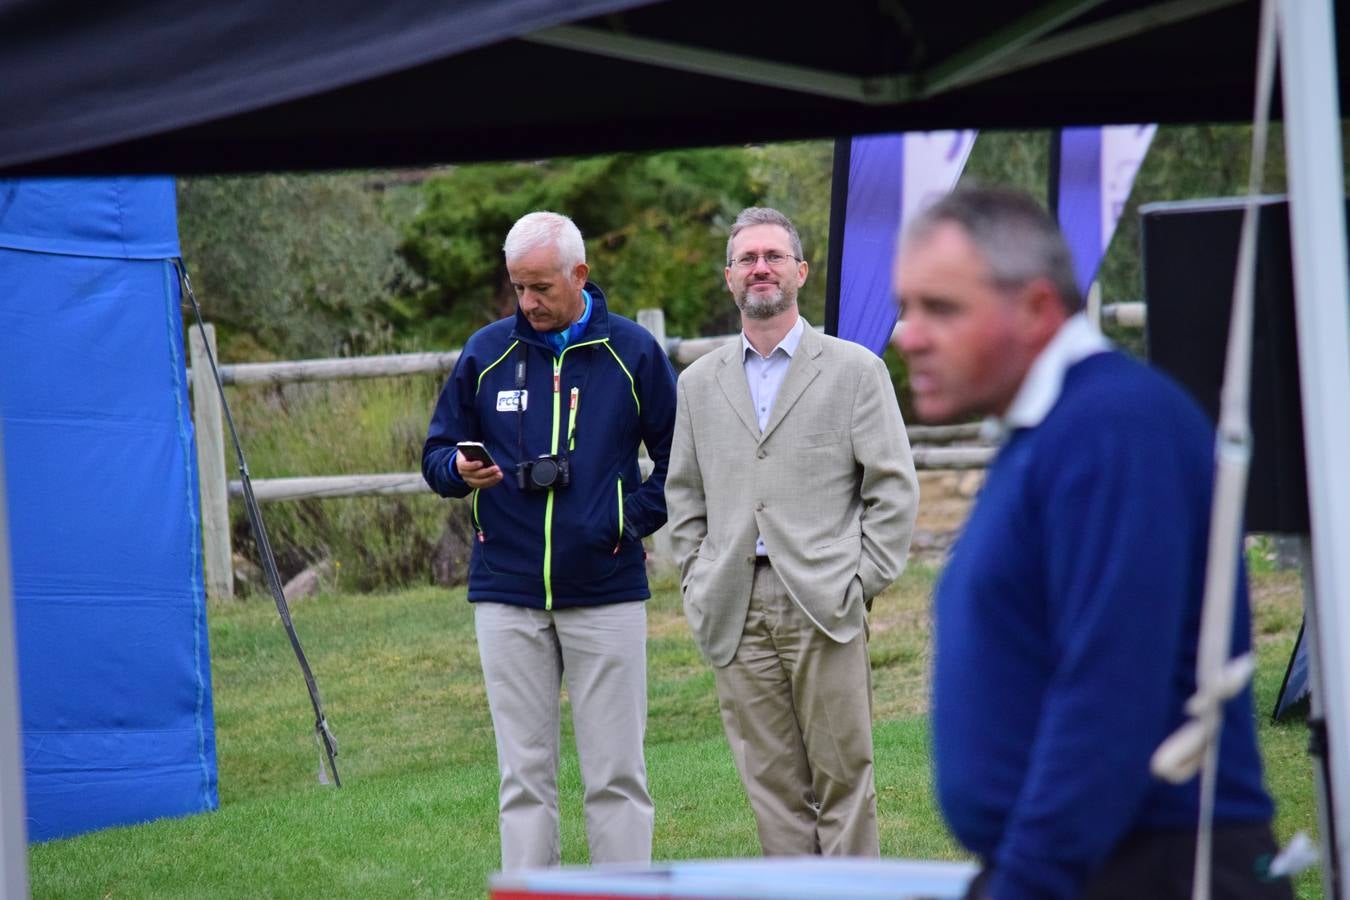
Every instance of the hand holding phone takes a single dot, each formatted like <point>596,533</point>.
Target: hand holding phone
<point>473,450</point>
<point>476,465</point>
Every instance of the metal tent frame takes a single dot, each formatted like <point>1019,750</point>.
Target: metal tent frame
<point>1041,36</point>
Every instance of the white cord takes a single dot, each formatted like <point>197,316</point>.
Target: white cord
<point>1194,746</point>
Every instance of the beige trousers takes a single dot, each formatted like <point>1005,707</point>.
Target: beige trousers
<point>602,653</point>
<point>797,709</point>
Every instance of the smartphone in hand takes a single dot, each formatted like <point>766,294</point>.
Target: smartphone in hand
<point>476,452</point>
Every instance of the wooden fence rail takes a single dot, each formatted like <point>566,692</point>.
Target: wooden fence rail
<point>216,488</point>
<point>335,369</point>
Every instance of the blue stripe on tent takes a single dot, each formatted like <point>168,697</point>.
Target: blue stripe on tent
<point>118,218</point>
<point>1080,200</point>
<point>177,371</point>
<point>866,310</point>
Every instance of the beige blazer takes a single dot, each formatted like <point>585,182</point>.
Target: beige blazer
<point>830,485</point>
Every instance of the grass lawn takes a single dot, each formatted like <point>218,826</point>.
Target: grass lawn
<point>417,814</point>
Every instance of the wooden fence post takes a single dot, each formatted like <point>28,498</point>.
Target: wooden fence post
<point>1093,307</point>
<point>663,555</point>
<point>212,484</point>
<point>654,320</point>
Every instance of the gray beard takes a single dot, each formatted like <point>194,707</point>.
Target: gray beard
<point>755,307</point>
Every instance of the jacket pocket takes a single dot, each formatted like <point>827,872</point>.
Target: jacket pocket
<point>855,539</point>
<point>586,530</point>
<point>509,538</point>
<point>473,516</point>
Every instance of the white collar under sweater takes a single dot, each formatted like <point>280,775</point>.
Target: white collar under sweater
<point>1075,341</point>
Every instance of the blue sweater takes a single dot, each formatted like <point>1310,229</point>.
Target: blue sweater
<point>1066,631</point>
<point>609,390</point>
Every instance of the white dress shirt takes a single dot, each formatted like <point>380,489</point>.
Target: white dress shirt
<point>764,375</point>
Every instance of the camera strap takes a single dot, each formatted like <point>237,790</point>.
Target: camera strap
<point>521,357</point>
<point>323,735</point>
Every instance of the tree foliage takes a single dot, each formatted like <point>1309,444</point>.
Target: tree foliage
<point>291,265</point>
<point>655,228</point>
<point>1015,159</point>
<point>795,179</point>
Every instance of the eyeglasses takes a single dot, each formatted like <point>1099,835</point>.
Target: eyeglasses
<point>772,259</point>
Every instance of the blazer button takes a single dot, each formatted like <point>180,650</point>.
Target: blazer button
<point>761,454</point>
<point>759,507</point>
<point>750,560</point>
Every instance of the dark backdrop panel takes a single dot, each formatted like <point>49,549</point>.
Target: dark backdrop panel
<point>1190,257</point>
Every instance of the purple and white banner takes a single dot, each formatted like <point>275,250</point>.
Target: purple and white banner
<point>1096,172</point>
<point>890,178</point>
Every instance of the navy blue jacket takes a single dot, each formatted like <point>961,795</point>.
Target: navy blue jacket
<point>610,390</point>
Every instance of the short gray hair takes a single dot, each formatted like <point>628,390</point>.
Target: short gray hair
<point>763,215</point>
<point>539,229</point>
<point>1011,231</point>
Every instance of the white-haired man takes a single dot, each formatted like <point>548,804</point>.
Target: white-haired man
<point>560,395</point>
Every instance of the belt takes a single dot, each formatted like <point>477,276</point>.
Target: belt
<point>762,561</point>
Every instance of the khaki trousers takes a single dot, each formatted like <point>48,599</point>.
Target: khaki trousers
<point>797,709</point>
<point>602,653</point>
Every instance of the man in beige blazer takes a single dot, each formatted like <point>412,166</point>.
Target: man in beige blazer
<point>791,497</point>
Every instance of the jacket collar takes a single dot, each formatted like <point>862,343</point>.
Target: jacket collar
<point>597,329</point>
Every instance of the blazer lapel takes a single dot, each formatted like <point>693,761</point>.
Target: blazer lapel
<point>731,378</point>
<point>801,372</point>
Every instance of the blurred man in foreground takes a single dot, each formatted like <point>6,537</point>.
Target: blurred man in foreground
<point>1066,619</point>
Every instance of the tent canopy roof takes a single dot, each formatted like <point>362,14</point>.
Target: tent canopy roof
<point>155,85</point>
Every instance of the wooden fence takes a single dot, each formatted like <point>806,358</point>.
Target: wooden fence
<point>930,443</point>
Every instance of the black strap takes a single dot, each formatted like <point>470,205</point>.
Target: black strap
<point>323,734</point>
<point>521,355</point>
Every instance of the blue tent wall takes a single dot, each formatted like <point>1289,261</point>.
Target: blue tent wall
<point>110,613</point>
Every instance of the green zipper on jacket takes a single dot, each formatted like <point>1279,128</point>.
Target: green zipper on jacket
<point>553,448</point>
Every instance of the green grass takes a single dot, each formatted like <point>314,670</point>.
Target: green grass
<point>417,814</point>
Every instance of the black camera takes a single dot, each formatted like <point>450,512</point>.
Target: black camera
<point>544,473</point>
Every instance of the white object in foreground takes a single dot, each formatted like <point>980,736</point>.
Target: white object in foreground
<point>790,878</point>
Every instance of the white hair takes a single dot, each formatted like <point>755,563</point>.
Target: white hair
<point>539,229</point>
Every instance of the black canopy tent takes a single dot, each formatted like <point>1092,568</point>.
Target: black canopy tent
<point>153,86</point>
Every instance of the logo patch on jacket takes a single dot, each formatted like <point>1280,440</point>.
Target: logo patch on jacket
<point>513,401</point>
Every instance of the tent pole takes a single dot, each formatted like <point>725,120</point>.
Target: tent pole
<point>1317,222</point>
<point>834,267</point>
<point>13,834</point>
<point>1316,715</point>
<point>1054,149</point>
